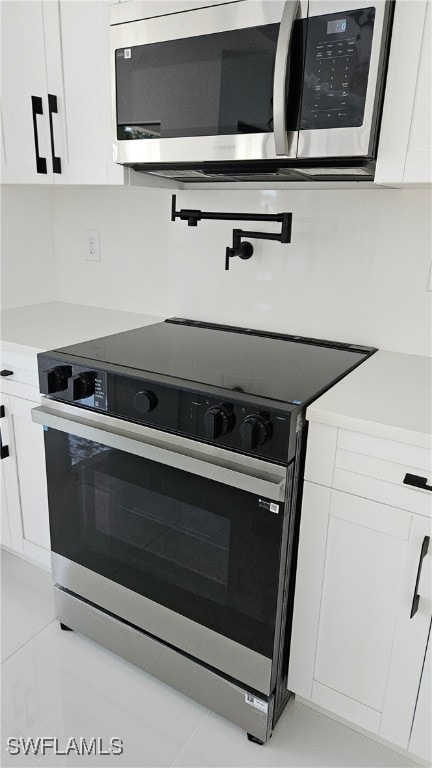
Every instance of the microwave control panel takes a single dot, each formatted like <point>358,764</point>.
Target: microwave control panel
<point>338,51</point>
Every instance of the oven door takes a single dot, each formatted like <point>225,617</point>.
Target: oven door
<point>181,539</point>
<point>207,85</point>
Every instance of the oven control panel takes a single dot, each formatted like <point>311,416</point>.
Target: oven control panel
<point>235,423</point>
<point>338,52</point>
<point>74,384</point>
<point>225,422</point>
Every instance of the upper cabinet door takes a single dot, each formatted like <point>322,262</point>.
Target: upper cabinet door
<point>24,93</point>
<point>84,71</point>
<point>404,152</point>
<point>56,93</point>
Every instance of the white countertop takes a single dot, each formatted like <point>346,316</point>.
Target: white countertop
<point>41,327</point>
<point>389,395</point>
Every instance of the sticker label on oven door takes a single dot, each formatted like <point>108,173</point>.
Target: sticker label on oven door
<point>257,703</point>
<point>271,506</point>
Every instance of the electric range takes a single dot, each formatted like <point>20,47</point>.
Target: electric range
<point>174,459</point>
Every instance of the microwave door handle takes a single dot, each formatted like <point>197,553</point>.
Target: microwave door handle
<point>281,75</point>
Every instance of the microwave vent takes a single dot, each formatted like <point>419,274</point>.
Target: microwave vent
<point>334,171</point>
<point>280,174</point>
<point>186,175</point>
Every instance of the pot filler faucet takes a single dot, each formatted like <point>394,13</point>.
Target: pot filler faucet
<point>241,248</point>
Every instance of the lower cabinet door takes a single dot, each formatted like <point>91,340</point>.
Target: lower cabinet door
<point>365,551</point>
<point>421,737</point>
<point>5,538</point>
<point>30,462</point>
<point>410,638</point>
<point>11,525</point>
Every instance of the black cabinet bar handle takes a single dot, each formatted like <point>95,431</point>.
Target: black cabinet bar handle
<point>417,481</point>
<point>5,372</point>
<point>416,598</point>
<point>37,109</point>
<point>52,107</point>
<point>4,449</point>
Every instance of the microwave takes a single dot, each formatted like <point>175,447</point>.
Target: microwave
<point>249,89</point>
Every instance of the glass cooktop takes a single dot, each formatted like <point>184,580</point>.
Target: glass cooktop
<point>291,369</point>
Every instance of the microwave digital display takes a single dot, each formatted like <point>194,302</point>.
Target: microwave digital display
<point>337,25</point>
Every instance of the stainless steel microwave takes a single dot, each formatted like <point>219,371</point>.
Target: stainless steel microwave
<point>249,88</point>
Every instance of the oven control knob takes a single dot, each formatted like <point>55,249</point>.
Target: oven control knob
<point>83,385</point>
<point>145,401</point>
<point>217,422</point>
<point>56,379</point>
<point>255,431</point>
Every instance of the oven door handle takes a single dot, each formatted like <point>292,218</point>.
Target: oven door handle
<point>236,471</point>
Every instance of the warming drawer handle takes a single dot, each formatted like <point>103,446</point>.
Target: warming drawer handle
<point>281,75</point>
<point>417,481</point>
<point>416,598</point>
<point>149,446</point>
<point>4,449</point>
<point>37,109</point>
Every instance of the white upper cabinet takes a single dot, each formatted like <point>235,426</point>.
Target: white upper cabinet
<point>56,93</point>
<point>24,93</point>
<point>418,166</point>
<point>84,28</point>
<point>404,154</point>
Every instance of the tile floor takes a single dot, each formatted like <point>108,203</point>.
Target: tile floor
<point>62,685</point>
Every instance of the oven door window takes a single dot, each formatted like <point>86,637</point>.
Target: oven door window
<point>209,85</point>
<point>202,549</point>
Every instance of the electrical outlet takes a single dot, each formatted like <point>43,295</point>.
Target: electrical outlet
<point>92,252</point>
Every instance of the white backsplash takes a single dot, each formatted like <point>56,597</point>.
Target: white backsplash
<point>27,255</point>
<point>356,270</point>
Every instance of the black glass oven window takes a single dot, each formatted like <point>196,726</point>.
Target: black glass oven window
<point>208,85</point>
<point>203,549</point>
<point>338,51</point>
<point>180,538</point>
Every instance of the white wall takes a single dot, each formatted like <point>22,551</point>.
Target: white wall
<point>133,224</point>
<point>356,270</point>
<point>27,256</point>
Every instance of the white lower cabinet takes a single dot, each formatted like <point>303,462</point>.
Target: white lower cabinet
<point>5,538</point>
<point>25,522</point>
<point>363,565</point>
<point>420,740</point>
<point>358,648</point>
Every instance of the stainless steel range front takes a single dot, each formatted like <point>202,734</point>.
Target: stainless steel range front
<point>173,472</point>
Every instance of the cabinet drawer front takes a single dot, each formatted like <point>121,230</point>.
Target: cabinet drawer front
<point>370,467</point>
<point>388,450</point>
<point>395,495</point>
<point>24,368</point>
